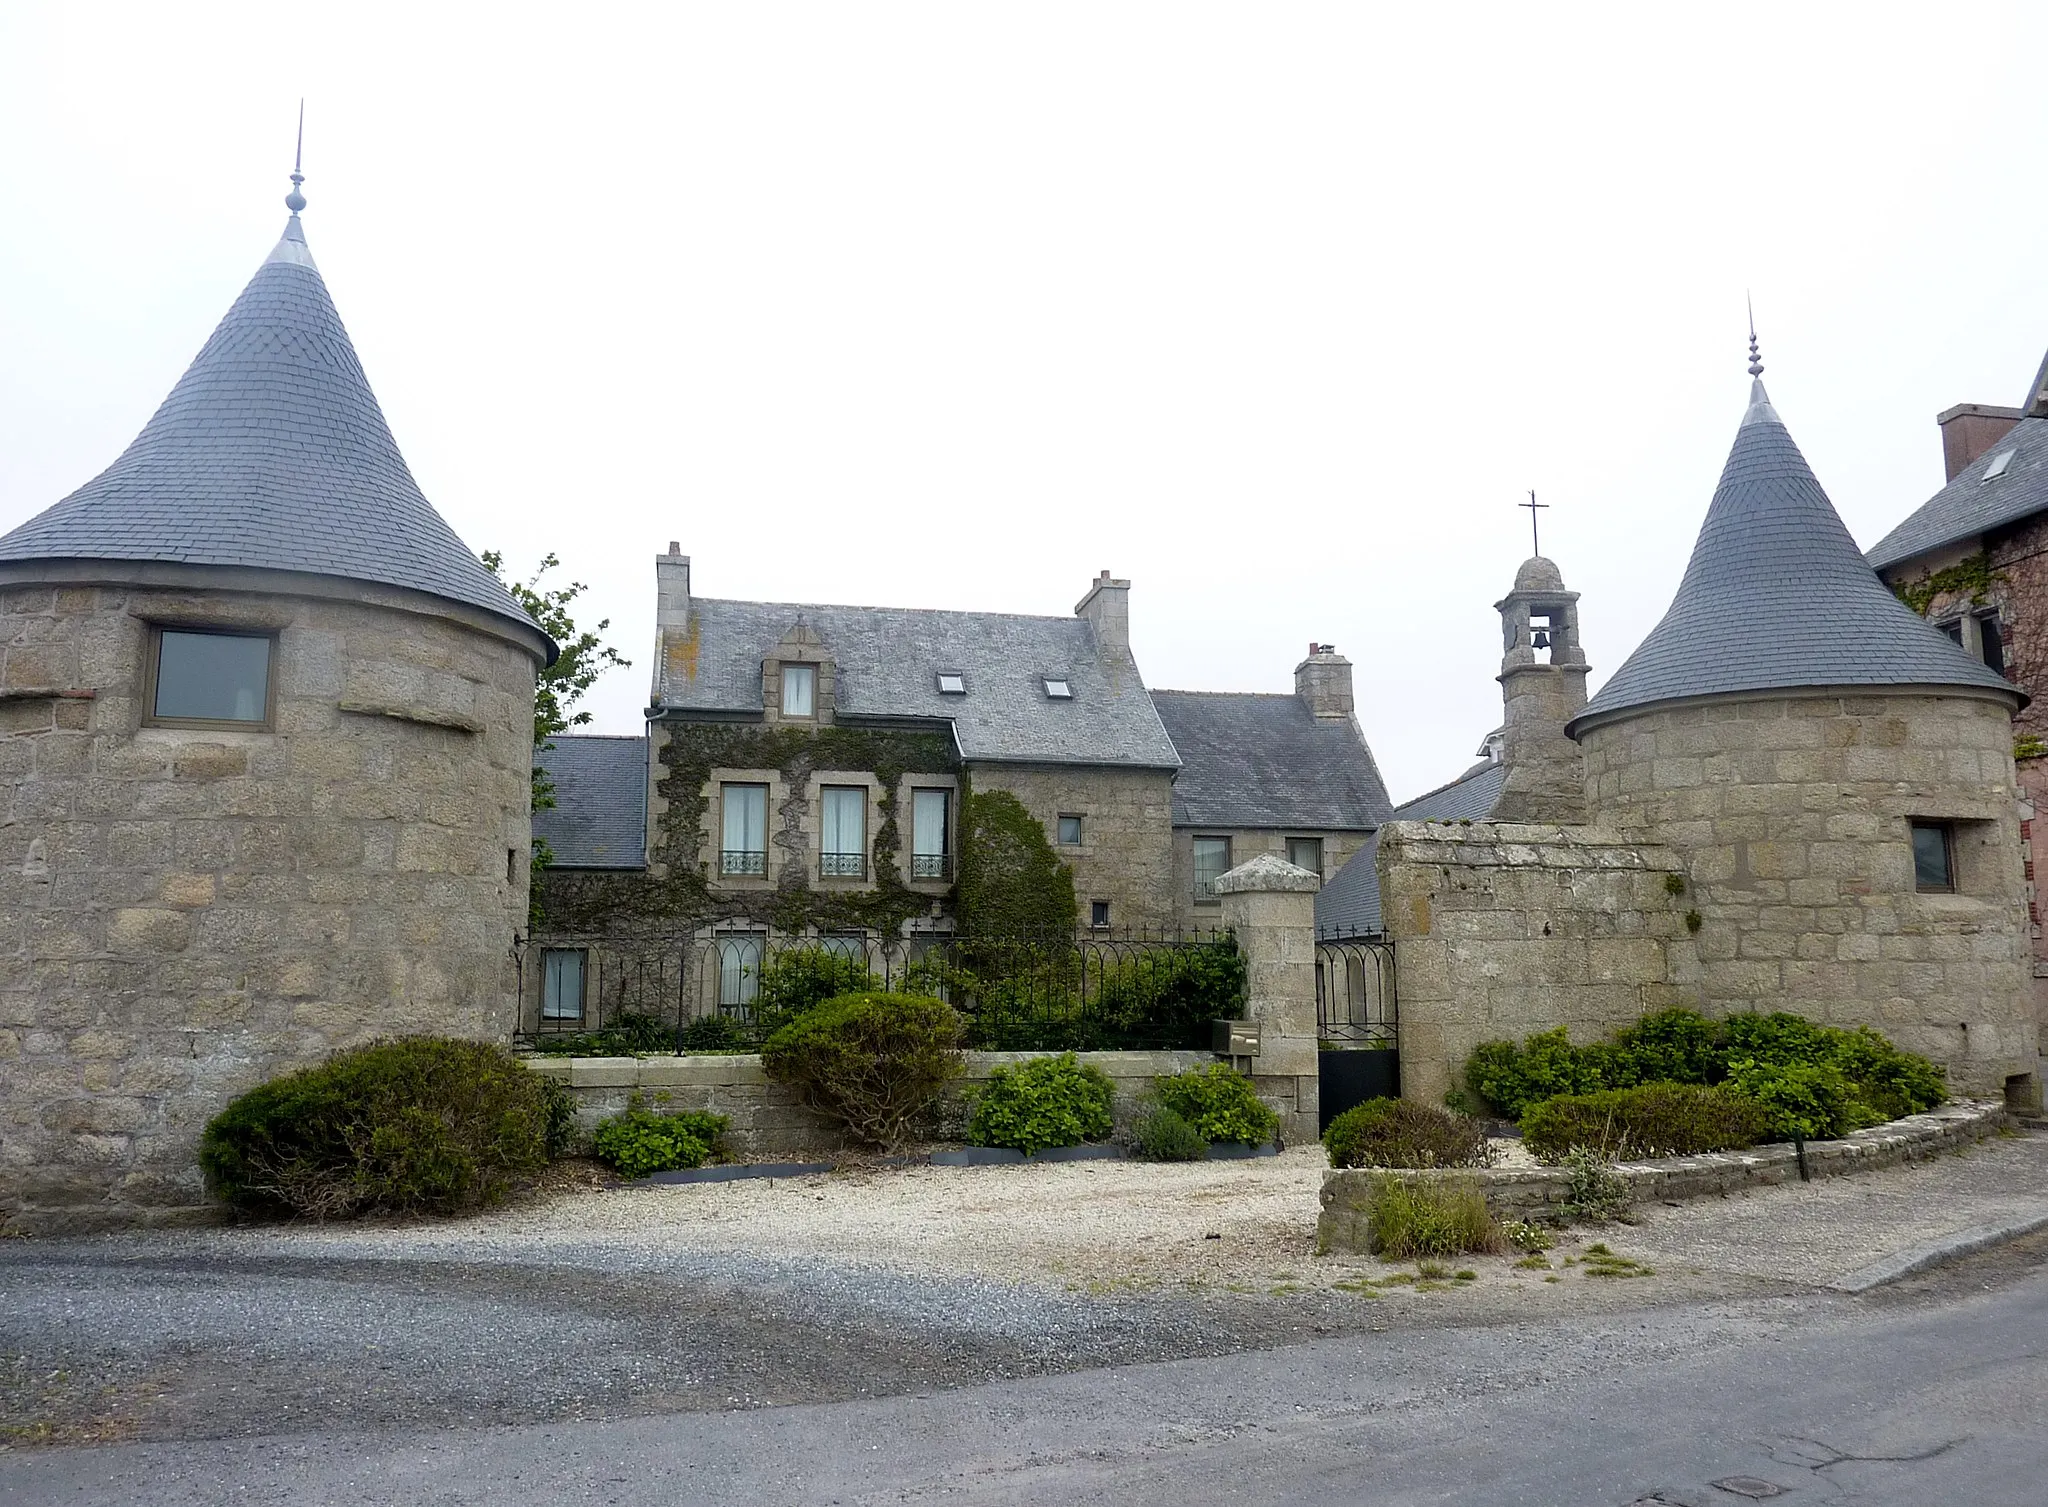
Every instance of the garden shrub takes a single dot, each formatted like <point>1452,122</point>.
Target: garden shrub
<point>1163,1136</point>
<point>1670,1046</point>
<point>628,1034</point>
<point>638,1141</point>
<point>1170,996</point>
<point>1805,1101</point>
<point>712,1033</point>
<point>1892,1083</point>
<point>1054,1101</point>
<point>1594,1191</point>
<point>415,1125</point>
<point>873,1062</point>
<point>1655,1119</point>
<point>801,979</point>
<point>1400,1133</point>
<point>1219,1104</point>
<point>1409,1219</point>
<point>1511,1077</point>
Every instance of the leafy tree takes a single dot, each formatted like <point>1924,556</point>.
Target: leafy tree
<point>584,656</point>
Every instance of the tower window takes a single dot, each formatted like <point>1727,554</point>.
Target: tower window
<point>1934,858</point>
<point>209,679</point>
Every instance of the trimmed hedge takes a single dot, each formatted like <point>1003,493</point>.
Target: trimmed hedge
<point>873,1062</point>
<point>1163,1136</point>
<point>1219,1103</point>
<point>416,1125</point>
<point>1400,1133</point>
<point>1054,1101</point>
<point>1656,1119</point>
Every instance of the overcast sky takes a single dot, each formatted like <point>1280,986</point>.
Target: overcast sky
<point>1275,309</point>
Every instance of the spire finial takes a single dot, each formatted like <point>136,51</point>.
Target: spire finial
<point>296,201</point>
<point>1535,545</point>
<point>1756,362</point>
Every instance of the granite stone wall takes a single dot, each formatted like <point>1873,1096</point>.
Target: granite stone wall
<point>1502,929</point>
<point>1125,855</point>
<point>186,912</point>
<point>1790,816</point>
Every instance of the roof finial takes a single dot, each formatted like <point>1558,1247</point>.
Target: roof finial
<point>1535,545</point>
<point>296,201</point>
<point>1756,362</point>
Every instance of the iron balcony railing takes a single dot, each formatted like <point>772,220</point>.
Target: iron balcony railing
<point>842,865</point>
<point>1205,890</point>
<point>745,862</point>
<point>931,866</point>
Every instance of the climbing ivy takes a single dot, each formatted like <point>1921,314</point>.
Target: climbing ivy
<point>1011,882</point>
<point>1972,575</point>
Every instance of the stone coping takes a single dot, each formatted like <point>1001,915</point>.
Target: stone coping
<point>1535,1192</point>
<point>735,1068</point>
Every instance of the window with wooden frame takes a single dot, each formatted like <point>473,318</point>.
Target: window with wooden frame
<point>561,983</point>
<point>1934,858</point>
<point>208,677</point>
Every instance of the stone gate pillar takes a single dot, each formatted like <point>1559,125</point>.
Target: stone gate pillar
<point>1270,906</point>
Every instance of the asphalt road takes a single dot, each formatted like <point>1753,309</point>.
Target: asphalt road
<point>1934,1392</point>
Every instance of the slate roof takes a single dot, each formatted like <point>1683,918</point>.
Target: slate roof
<point>1266,761</point>
<point>887,662</point>
<point>1970,505</point>
<point>599,819</point>
<point>271,452</point>
<point>1349,905</point>
<point>1777,596</point>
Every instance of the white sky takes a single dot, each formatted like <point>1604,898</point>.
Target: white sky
<point>1275,309</point>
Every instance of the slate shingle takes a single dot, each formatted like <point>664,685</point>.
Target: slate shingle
<point>1266,761</point>
<point>1349,905</point>
<point>1972,505</point>
<point>599,819</point>
<point>271,453</point>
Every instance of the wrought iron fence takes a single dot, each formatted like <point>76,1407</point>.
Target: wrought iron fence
<point>743,861</point>
<point>1355,1001</point>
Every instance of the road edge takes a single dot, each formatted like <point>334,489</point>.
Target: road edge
<point>1950,1247</point>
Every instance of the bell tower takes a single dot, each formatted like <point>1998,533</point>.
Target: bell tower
<point>1543,683</point>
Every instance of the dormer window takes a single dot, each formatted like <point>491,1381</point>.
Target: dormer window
<point>799,690</point>
<point>206,679</point>
<point>952,683</point>
<point>1058,689</point>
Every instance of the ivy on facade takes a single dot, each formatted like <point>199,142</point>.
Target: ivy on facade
<point>1972,576</point>
<point>1011,881</point>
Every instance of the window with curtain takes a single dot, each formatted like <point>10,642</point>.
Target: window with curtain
<point>1306,853</point>
<point>930,853</point>
<point>844,846</point>
<point>739,969</point>
<point>561,983</point>
<point>799,687</point>
<point>211,677</point>
<point>744,847</point>
<point>1212,862</point>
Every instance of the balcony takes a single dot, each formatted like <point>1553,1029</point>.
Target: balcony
<point>842,865</point>
<point>930,867</point>
<point>743,863</point>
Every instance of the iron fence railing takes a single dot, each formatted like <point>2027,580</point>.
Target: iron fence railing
<point>1355,999</point>
<point>743,862</point>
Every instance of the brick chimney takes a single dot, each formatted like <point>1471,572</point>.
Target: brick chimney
<point>671,605</point>
<point>1970,429</point>
<point>1323,682</point>
<point>1108,606</point>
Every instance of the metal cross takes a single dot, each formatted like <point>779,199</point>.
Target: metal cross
<point>1532,505</point>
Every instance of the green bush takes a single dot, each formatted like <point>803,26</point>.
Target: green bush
<point>1170,996</point>
<point>1163,1136</point>
<point>801,979</point>
<point>1400,1133</point>
<point>638,1141</point>
<point>712,1033</point>
<point>1805,1101</point>
<point>1890,1083</point>
<point>1655,1119</point>
<point>1593,1189</point>
<point>873,1062</point>
<point>1670,1046</point>
<point>1409,1220</point>
<point>629,1033</point>
<point>1219,1104</point>
<point>1054,1101</point>
<point>417,1125</point>
<point>1511,1077</point>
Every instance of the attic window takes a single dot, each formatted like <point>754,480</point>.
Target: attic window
<point>1998,464</point>
<point>952,683</point>
<point>1059,690</point>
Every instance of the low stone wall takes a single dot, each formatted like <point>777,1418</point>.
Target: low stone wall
<point>1532,1193</point>
<point>766,1118</point>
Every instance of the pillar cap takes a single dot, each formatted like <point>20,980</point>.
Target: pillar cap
<point>1266,874</point>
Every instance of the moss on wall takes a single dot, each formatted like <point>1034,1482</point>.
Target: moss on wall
<point>1011,881</point>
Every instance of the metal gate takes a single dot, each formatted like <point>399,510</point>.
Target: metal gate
<point>1358,1021</point>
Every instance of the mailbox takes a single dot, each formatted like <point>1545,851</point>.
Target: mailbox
<point>1236,1038</point>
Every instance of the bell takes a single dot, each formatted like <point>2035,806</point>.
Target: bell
<point>1542,639</point>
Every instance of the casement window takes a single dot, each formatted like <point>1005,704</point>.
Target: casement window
<point>1212,862</point>
<point>202,678</point>
<point>1098,914</point>
<point>739,969</point>
<point>843,845</point>
<point>799,690</point>
<point>1991,642</point>
<point>1306,853</point>
<point>931,853</point>
<point>1934,857</point>
<point>1069,830</point>
<point>743,849</point>
<point>561,983</point>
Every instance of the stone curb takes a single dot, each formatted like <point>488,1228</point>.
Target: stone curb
<point>963,1156</point>
<point>1951,1247</point>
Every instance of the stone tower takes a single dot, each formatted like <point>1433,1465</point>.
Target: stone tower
<point>266,727</point>
<point>1543,683</point>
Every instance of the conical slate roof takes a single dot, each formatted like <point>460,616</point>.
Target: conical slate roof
<point>270,453</point>
<point>1777,597</point>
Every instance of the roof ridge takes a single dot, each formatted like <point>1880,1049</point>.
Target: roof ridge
<point>1484,766</point>
<point>1026,617</point>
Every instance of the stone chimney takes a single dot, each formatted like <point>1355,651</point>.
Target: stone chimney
<point>1970,429</point>
<point>1323,682</point>
<point>671,605</point>
<point>1108,606</point>
<point>1543,683</point>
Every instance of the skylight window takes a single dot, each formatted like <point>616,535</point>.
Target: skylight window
<point>952,683</point>
<point>1058,689</point>
<point>1998,464</point>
